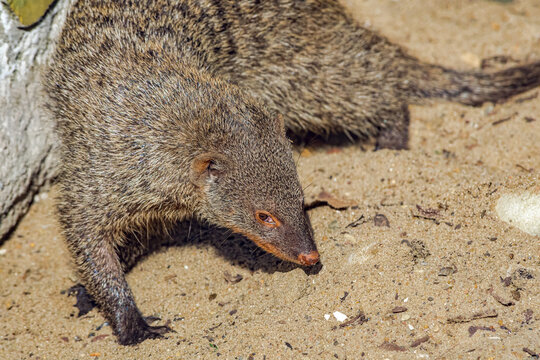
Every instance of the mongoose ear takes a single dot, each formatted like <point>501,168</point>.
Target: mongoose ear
<point>207,166</point>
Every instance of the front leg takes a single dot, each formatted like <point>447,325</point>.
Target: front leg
<point>102,275</point>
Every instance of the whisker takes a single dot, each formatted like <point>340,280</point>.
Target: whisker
<point>308,185</point>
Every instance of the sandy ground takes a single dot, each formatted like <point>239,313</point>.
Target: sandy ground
<point>446,279</point>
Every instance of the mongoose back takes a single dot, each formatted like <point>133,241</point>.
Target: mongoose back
<point>170,110</point>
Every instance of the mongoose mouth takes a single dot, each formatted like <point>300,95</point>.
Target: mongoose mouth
<point>303,259</point>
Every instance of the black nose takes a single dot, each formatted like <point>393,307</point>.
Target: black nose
<point>309,259</point>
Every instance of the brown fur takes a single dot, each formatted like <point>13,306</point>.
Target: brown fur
<point>168,111</point>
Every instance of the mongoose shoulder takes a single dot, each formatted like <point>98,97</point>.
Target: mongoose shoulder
<point>168,110</point>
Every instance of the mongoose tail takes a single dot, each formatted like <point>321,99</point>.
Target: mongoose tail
<point>474,88</point>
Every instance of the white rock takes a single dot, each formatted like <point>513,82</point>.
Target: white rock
<point>521,210</point>
<point>327,316</point>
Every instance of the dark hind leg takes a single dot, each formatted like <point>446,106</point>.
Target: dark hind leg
<point>396,134</point>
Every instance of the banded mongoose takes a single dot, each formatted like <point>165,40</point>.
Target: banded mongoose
<point>170,110</point>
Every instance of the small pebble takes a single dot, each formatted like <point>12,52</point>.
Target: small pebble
<point>3,252</point>
<point>340,316</point>
<point>327,316</point>
<point>471,59</point>
<point>349,237</point>
<point>448,270</point>
<point>405,317</point>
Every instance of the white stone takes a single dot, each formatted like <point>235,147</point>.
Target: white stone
<point>521,210</point>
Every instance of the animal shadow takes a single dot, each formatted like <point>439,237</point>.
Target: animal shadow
<point>237,249</point>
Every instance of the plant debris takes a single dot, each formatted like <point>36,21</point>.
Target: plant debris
<point>325,198</point>
<point>500,121</point>
<point>359,319</point>
<point>361,220</point>
<point>399,309</point>
<point>419,341</point>
<point>170,277</point>
<point>528,315</point>
<point>381,220</point>
<point>428,212</point>
<point>489,313</point>
<point>429,217</point>
<point>474,329</point>
<point>392,346</point>
<point>99,337</point>
<point>530,352</point>
<point>232,279</point>
<point>507,281</point>
<point>499,299</point>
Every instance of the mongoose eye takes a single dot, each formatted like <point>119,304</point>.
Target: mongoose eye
<point>267,219</point>
<point>212,168</point>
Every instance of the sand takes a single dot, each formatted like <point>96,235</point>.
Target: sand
<point>422,265</point>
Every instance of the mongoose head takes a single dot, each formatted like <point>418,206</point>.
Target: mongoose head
<point>248,181</point>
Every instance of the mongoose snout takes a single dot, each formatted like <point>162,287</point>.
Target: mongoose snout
<point>309,259</point>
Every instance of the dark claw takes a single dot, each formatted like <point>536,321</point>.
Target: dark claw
<point>150,319</point>
<point>143,333</point>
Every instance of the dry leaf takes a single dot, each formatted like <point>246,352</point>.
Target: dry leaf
<point>29,11</point>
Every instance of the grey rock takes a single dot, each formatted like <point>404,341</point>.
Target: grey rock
<point>28,148</point>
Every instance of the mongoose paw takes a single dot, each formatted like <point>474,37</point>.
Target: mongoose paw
<point>142,333</point>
